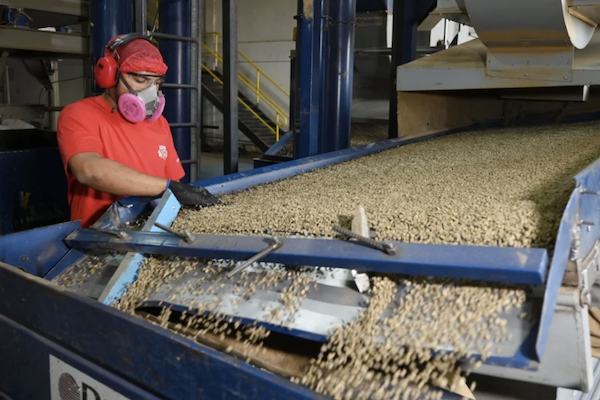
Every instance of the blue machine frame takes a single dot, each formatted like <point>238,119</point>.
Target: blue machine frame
<point>42,319</point>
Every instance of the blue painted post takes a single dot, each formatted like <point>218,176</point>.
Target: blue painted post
<point>175,19</point>
<point>325,54</point>
<point>407,17</point>
<point>108,18</point>
<point>309,50</point>
<point>342,15</point>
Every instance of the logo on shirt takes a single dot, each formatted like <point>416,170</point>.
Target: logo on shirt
<point>162,152</point>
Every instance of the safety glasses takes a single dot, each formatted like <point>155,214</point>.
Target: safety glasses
<point>148,79</point>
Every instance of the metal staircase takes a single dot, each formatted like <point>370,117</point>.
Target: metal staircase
<point>253,123</point>
<point>254,95</point>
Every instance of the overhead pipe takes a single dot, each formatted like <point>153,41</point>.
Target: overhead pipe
<point>175,23</point>
<point>342,20</point>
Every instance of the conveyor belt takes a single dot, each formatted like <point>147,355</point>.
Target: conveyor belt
<point>496,187</point>
<point>511,191</point>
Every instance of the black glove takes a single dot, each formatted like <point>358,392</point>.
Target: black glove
<point>189,195</point>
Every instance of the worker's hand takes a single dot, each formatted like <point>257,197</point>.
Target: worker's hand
<point>594,314</point>
<point>190,195</point>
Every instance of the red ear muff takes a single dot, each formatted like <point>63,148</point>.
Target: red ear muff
<point>106,72</point>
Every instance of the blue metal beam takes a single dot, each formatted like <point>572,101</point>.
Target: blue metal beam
<point>108,18</point>
<point>276,148</point>
<point>497,264</point>
<point>165,213</point>
<point>36,251</point>
<point>175,19</point>
<point>230,87</point>
<point>342,16</point>
<point>310,61</point>
<point>407,16</point>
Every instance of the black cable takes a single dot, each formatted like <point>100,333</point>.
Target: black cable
<point>58,81</point>
<point>68,79</point>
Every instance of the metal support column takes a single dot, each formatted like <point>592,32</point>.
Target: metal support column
<point>175,24</point>
<point>140,8</point>
<point>340,77</point>
<point>108,18</point>
<point>53,94</point>
<point>230,86</point>
<point>397,60</point>
<point>197,109</point>
<point>407,15</point>
<point>294,94</point>
<point>309,50</point>
<point>325,62</point>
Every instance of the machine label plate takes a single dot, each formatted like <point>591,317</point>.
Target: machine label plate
<point>68,383</point>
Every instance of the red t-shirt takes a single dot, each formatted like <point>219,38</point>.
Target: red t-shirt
<point>90,125</point>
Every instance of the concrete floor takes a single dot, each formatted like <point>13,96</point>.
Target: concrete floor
<point>211,164</point>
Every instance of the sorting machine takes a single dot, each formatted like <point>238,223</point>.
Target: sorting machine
<point>56,341</point>
<point>53,336</point>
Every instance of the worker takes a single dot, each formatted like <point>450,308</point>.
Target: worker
<point>117,144</point>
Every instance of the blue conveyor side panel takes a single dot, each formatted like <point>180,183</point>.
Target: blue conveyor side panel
<point>28,375</point>
<point>158,361</point>
<point>36,251</point>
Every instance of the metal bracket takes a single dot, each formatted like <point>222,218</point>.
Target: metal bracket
<point>185,235</point>
<point>118,234</point>
<point>275,244</point>
<point>387,248</point>
<point>589,271</point>
<point>587,265</point>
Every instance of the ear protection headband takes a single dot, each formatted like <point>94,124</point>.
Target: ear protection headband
<point>107,71</point>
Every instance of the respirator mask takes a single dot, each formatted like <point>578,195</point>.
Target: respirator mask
<point>139,105</point>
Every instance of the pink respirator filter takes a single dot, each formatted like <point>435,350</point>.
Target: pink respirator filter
<point>133,109</point>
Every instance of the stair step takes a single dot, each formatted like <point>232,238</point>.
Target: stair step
<point>245,115</point>
<point>257,127</point>
<point>253,122</point>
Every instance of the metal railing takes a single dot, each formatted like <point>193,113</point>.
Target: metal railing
<point>281,115</point>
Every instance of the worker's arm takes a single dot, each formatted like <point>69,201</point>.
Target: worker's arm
<point>109,176</point>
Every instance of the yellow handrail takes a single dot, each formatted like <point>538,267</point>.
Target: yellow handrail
<point>218,34</point>
<point>281,116</point>
<point>276,132</point>
<point>248,83</point>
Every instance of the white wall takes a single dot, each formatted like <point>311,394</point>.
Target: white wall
<point>445,31</point>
